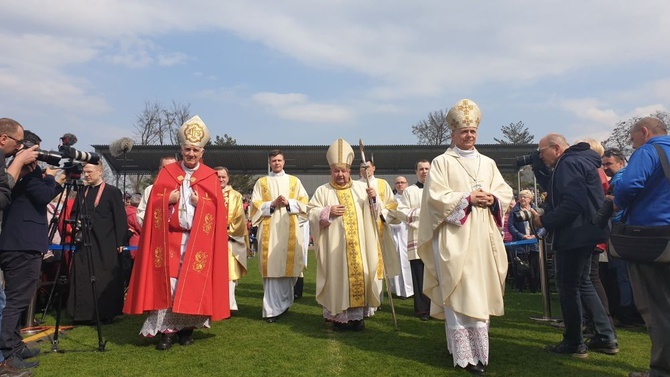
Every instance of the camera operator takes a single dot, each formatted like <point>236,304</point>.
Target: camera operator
<point>574,193</point>
<point>23,242</point>
<point>11,139</point>
<point>11,144</point>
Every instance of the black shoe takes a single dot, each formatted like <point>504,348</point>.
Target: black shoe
<point>8,371</point>
<point>478,369</point>
<point>339,326</point>
<point>166,342</point>
<point>607,347</point>
<point>358,325</point>
<point>15,361</point>
<point>561,348</point>
<point>185,337</point>
<point>424,317</point>
<point>298,288</point>
<point>27,353</point>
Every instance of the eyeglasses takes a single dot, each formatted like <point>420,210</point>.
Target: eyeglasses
<point>401,183</point>
<point>615,153</point>
<point>17,141</point>
<point>543,148</point>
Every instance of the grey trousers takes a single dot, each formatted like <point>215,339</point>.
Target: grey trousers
<point>651,289</point>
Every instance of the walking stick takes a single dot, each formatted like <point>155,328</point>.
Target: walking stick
<point>375,216</point>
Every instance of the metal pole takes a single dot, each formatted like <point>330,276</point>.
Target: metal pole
<point>544,285</point>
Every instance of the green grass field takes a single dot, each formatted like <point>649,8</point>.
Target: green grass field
<point>302,344</point>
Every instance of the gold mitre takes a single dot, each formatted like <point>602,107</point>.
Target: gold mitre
<point>340,154</point>
<point>193,132</point>
<point>465,113</point>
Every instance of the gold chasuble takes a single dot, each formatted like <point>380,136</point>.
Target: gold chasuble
<point>238,238</point>
<point>346,249</point>
<point>280,237</point>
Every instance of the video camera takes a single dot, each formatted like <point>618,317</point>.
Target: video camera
<point>65,151</point>
<point>526,215</point>
<point>528,159</point>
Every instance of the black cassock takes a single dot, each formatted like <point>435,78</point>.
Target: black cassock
<point>109,227</point>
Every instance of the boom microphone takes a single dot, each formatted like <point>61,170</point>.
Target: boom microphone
<point>121,146</point>
<point>69,139</point>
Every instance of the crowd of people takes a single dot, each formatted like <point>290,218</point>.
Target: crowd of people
<point>440,240</point>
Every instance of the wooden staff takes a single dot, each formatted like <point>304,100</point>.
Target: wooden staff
<point>375,216</point>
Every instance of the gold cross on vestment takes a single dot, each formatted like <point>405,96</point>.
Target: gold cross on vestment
<point>467,121</point>
<point>465,108</point>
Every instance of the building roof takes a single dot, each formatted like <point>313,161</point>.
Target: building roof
<point>303,159</point>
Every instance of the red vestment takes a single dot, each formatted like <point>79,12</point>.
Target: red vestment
<point>202,285</point>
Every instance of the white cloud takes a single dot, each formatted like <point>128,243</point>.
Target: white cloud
<point>171,59</point>
<point>280,100</point>
<point>597,118</point>
<point>296,106</point>
<point>404,52</point>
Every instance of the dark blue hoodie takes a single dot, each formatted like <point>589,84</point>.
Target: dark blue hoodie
<point>643,192</point>
<point>574,194</point>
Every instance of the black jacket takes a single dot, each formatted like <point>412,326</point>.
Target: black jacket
<point>24,223</point>
<point>5,184</point>
<point>574,194</point>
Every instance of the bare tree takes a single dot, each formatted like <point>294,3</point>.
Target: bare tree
<point>158,125</point>
<point>146,124</point>
<point>175,117</point>
<point>515,133</point>
<point>434,130</point>
<point>620,137</point>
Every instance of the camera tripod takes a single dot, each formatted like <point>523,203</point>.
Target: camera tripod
<point>79,242</point>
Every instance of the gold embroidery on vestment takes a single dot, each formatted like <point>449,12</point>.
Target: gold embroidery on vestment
<point>265,226</point>
<point>194,133</point>
<point>208,223</point>
<point>158,218</point>
<point>200,261</point>
<point>158,257</point>
<point>355,268</point>
<point>292,227</point>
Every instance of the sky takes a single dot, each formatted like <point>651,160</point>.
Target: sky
<point>306,72</point>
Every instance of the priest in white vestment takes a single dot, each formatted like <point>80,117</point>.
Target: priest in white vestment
<point>463,203</point>
<point>410,207</point>
<point>278,201</point>
<point>384,192</point>
<point>349,273</point>
<point>401,284</point>
<point>388,205</point>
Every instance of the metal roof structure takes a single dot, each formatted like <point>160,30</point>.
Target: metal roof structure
<point>303,159</point>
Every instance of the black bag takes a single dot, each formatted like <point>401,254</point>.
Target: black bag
<point>521,267</point>
<point>640,243</point>
<point>647,244</point>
